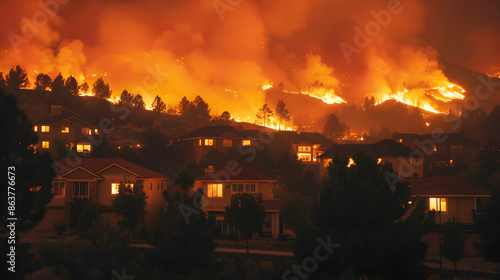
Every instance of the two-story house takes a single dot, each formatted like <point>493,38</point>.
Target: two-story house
<point>220,185</point>
<point>307,145</point>
<point>405,161</point>
<point>97,180</point>
<point>64,130</point>
<point>453,197</point>
<point>442,151</point>
<point>199,142</point>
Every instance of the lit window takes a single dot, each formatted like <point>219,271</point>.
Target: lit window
<point>86,130</point>
<point>35,128</point>
<point>58,189</point>
<point>237,188</point>
<point>81,189</point>
<point>201,142</point>
<point>227,143</point>
<point>246,143</point>
<point>214,190</point>
<point>250,188</point>
<point>45,128</point>
<point>440,148</point>
<point>209,142</point>
<point>45,144</point>
<point>400,140</point>
<point>327,162</point>
<point>83,148</point>
<point>351,162</point>
<point>437,204</point>
<point>379,160</point>
<point>115,187</point>
<point>96,131</point>
<point>65,129</point>
<point>304,148</point>
<point>451,162</point>
<point>456,148</point>
<point>304,156</point>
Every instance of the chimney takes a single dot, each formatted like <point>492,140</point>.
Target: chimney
<point>56,110</point>
<point>209,170</point>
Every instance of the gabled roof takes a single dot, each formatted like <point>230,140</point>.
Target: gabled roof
<point>386,147</point>
<point>245,174</point>
<point>312,138</point>
<point>98,165</point>
<point>64,116</point>
<point>445,186</point>
<point>218,131</point>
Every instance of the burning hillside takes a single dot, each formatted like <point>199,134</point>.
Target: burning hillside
<point>233,53</point>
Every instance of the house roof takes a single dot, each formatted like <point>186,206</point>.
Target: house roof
<point>65,115</point>
<point>386,147</point>
<point>450,138</point>
<point>245,174</point>
<point>312,138</point>
<point>97,165</point>
<point>218,131</point>
<point>444,186</point>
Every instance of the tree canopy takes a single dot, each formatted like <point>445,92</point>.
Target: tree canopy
<point>264,115</point>
<point>158,105</point>
<point>101,89</point>
<point>282,113</point>
<point>17,78</point>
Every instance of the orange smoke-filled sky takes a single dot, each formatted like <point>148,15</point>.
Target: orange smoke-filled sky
<point>203,47</point>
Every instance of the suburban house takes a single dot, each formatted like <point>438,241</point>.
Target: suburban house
<point>65,130</point>
<point>97,180</point>
<point>220,185</point>
<point>307,145</point>
<point>451,196</point>
<point>405,161</point>
<point>442,151</point>
<point>199,142</point>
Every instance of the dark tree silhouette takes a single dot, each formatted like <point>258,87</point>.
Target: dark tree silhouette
<point>126,98</point>
<point>282,113</point>
<point>246,215</point>
<point>184,105</point>
<point>334,128</point>
<point>264,115</point>
<point>130,205</point>
<point>84,88</point>
<point>31,172</point>
<point>158,105</point>
<point>17,78</point>
<point>202,110</point>
<point>184,181</point>
<point>453,242</point>
<point>362,211</point>
<point>225,116</point>
<point>101,89</point>
<point>43,82</point>
<point>3,83</point>
<point>369,104</point>
<point>489,230</point>
<point>138,102</point>
<point>58,84</point>
<point>71,86</point>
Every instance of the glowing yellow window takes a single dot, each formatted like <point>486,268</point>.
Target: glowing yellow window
<point>304,148</point>
<point>379,160</point>
<point>246,143</point>
<point>96,131</point>
<point>351,162</point>
<point>45,128</point>
<point>304,156</point>
<point>83,148</point>
<point>45,144</point>
<point>65,129</point>
<point>437,204</point>
<point>209,142</point>
<point>35,128</point>
<point>214,190</point>
<point>115,187</point>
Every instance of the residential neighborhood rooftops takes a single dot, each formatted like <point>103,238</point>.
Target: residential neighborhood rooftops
<point>240,174</point>
<point>219,131</point>
<point>61,116</point>
<point>455,138</point>
<point>382,148</point>
<point>97,165</point>
<point>307,137</point>
<point>445,186</point>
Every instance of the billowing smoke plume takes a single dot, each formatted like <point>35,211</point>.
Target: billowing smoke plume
<point>226,50</point>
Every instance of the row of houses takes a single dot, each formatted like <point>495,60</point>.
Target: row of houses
<point>96,179</point>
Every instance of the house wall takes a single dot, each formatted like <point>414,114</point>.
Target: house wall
<point>458,207</point>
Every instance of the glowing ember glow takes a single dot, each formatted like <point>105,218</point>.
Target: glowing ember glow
<point>266,87</point>
<point>327,95</point>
